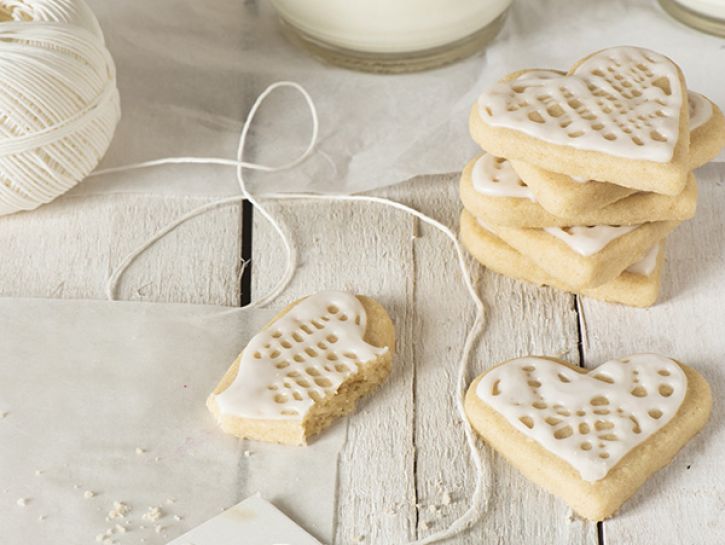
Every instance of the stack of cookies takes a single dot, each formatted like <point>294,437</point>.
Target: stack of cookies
<point>585,173</point>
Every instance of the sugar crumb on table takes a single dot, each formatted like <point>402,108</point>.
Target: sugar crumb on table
<point>153,514</point>
<point>119,511</point>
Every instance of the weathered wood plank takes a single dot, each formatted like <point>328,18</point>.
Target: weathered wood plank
<point>67,248</point>
<point>521,319</point>
<point>683,503</point>
<point>360,483</point>
<point>398,455</point>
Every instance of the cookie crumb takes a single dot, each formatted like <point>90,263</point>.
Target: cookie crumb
<point>424,525</point>
<point>446,499</point>
<point>359,539</point>
<point>119,511</point>
<point>22,502</point>
<point>38,472</point>
<point>247,453</point>
<point>41,518</point>
<point>140,450</point>
<point>157,459</point>
<point>158,528</point>
<point>88,494</point>
<point>77,486</point>
<point>105,537</point>
<point>153,514</point>
<point>177,518</point>
<point>169,501</point>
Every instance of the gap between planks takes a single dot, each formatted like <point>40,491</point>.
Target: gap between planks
<point>581,334</point>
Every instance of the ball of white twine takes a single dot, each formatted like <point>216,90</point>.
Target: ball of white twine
<point>59,103</point>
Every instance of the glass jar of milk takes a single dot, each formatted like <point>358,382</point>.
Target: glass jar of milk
<point>705,15</point>
<point>391,35</point>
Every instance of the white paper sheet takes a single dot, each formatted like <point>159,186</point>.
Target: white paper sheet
<point>85,384</point>
<point>189,71</point>
<point>254,521</point>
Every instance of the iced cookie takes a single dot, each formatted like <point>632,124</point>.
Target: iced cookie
<point>707,130</point>
<point>590,437</point>
<point>565,196</point>
<point>306,368</point>
<point>637,286</point>
<point>584,256</point>
<point>619,115</point>
<point>491,189</point>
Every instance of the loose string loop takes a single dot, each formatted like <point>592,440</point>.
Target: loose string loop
<point>240,164</point>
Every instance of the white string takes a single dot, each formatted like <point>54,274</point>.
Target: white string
<point>240,164</point>
<point>477,506</point>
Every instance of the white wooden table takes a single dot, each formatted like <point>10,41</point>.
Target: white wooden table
<point>404,449</point>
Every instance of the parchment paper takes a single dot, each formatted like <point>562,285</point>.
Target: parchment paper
<point>189,71</point>
<point>85,384</point>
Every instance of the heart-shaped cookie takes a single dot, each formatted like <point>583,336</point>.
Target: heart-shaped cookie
<point>638,285</point>
<point>305,368</point>
<point>491,189</point>
<point>594,437</point>
<point>619,115</point>
<point>584,256</point>
<point>564,196</point>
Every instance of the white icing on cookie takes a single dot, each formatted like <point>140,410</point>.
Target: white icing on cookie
<point>700,109</point>
<point>580,179</point>
<point>300,358</point>
<point>495,177</point>
<point>592,420</point>
<point>485,226</point>
<point>645,266</point>
<point>539,74</point>
<point>623,101</point>
<point>588,240</point>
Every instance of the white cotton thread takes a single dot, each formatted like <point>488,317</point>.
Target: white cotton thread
<point>477,505</point>
<point>240,164</point>
<point>59,103</point>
